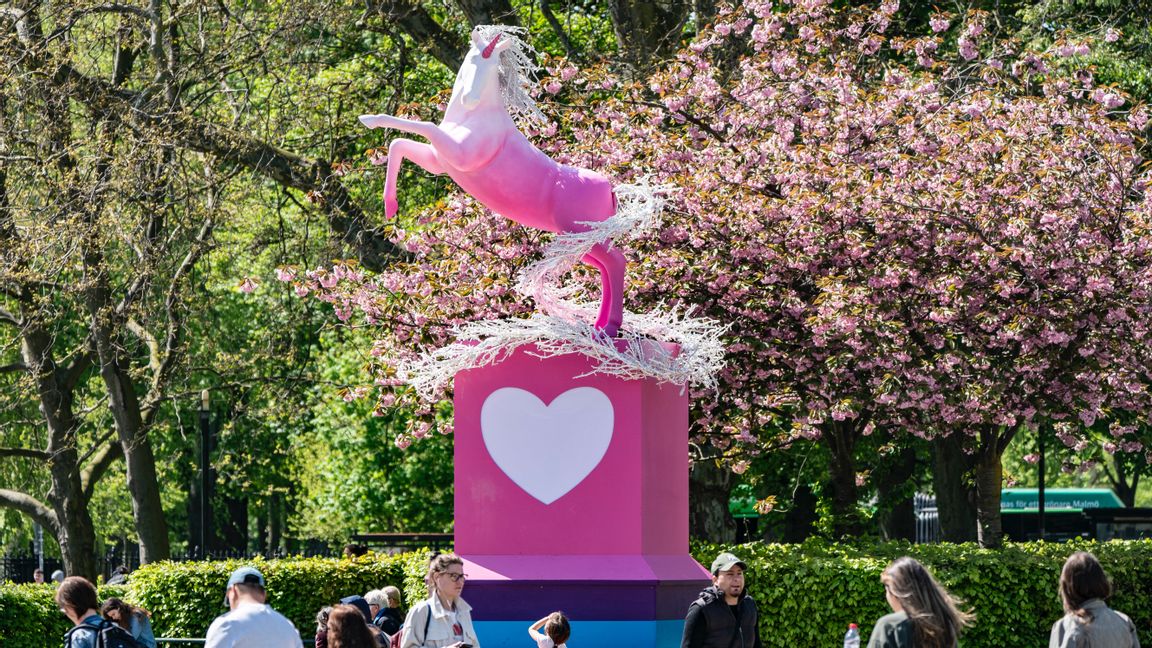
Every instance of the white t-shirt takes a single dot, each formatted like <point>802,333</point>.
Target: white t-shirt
<point>253,625</point>
<point>546,642</point>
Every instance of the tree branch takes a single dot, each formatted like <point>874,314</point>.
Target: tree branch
<point>345,217</point>
<point>31,507</point>
<point>25,452</point>
<point>13,368</point>
<point>7,317</point>
<point>102,460</point>
<point>415,20</point>
<point>546,9</point>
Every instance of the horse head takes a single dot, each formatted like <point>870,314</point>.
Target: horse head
<point>479,80</point>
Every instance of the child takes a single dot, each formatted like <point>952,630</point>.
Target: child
<point>556,631</point>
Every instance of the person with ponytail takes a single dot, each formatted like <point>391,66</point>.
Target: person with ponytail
<point>1088,621</point>
<point>924,614</point>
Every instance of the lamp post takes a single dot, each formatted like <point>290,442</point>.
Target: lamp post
<point>205,472</point>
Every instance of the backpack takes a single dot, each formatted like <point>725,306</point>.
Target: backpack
<point>398,638</point>
<point>108,635</point>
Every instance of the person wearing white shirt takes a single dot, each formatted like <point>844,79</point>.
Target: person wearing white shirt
<point>251,623</point>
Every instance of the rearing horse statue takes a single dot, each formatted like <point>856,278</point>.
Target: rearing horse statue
<point>479,146</point>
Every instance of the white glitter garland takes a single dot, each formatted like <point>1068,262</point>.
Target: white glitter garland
<point>489,342</point>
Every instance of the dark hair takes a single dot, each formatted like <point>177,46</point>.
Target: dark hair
<point>78,594</point>
<point>348,629</point>
<point>126,611</point>
<point>1082,579</point>
<point>935,615</point>
<point>353,550</point>
<point>557,628</point>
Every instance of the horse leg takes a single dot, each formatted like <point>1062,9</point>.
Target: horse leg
<point>422,154</point>
<point>474,152</point>
<point>611,264</point>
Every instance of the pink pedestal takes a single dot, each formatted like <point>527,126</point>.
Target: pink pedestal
<point>572,493</point>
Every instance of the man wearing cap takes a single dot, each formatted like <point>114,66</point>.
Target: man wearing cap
<point>251,623</point>
<point>724,616</point>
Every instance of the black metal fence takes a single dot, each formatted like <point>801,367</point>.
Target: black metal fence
<point>19,567</point>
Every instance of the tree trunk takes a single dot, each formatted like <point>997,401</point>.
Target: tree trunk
<point>648,30</point>
<point>143,486</point>
<point>234,529</point>
<point>955,495</point>
<point>489,12</point>
<point>840,438</point>
<point>75,532</point>
<point>72,525</point>
<point>709,487</point>
<point>899,519</point>
<point>1125,488</point>
<point>800,520</point>
<point>989,481</point>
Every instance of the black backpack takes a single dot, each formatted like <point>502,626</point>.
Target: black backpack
<point>108,635</point>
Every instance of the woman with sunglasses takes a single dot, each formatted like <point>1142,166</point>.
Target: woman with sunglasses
<point>443,620</point>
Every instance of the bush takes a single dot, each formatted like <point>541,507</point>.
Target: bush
<point>30,618</point>
<point>185,597</point>
<point>809,593</point>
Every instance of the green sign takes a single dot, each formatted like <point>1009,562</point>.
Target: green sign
<point>1027,500</point>
<point>742,503</point>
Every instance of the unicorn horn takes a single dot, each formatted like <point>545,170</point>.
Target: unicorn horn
<point>491,46</point>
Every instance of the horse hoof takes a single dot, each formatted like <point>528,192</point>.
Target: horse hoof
<point>368,120</point>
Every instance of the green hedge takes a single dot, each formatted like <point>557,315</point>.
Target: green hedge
<point>29,617</point>
<point>184,597</point>
<point>809,593</point>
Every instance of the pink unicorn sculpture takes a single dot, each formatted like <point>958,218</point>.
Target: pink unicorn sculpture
<point>478,145</point>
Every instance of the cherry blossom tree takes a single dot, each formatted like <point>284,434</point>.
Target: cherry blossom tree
<point>937,234</point>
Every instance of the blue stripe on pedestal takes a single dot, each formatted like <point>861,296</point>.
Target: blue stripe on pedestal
<point>586,634</point>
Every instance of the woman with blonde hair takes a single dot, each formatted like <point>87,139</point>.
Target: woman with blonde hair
<point>443,620</point>
<point>924,614</point>
<point>1088,621</point>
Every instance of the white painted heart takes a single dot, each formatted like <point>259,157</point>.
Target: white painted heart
<point>547,450</point>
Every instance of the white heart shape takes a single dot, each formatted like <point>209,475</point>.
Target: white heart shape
<point>547,449</point>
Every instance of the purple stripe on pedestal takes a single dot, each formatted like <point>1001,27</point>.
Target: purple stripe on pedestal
<point>602,587</point>
<point>590,600</point>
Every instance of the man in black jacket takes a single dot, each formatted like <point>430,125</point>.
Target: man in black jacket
<point>724,616</point>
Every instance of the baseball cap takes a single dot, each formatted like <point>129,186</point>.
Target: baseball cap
<point>360,603</point>
<point>245,576</point>
<point>726,561</point>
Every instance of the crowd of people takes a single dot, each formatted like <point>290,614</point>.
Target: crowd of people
<point>924,614</point>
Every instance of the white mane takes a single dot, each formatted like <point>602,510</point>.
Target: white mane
<point>517,69</point>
